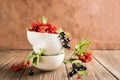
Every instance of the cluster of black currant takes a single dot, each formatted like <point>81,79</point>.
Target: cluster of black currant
<point>64,40</point>
<point>76,68</point>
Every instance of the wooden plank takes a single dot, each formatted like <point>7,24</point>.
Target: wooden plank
<point>95,71</point>
<point>109,59</point>
<point>6,73</point>
<point>57,74</point>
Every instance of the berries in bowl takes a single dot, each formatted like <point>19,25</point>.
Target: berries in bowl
<point>47,36</point>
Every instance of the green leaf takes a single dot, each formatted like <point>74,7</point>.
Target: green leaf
<point>76,61</point>
<point>29,57</point>
<point>67,34</point>
<point>82,73</point>
<point>59,30</point>
<point>35,61</point>
<point>81,46</point>
<point>33,53</point>
<point>38,58</point>
<point>65,61</point>
<point>43,20</point>
<point>41,51</point>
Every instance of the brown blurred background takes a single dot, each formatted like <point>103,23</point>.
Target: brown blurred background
<point>98,20</point>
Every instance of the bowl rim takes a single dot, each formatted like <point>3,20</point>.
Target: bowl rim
<point>50,55</point>
<point>41,33</point>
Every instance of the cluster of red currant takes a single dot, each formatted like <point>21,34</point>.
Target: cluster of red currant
<point>20,66</point>
<point>80,54</point>
<point>85,57</point>
<point>43,27</point>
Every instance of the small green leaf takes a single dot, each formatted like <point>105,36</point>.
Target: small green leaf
<point>59,30</point>
<point>35,61</point>
<point>41,51</point>
<point>82,73</point>
<point>38,58</point>
<point>33,53</point>
<point>43,20</point>
<point>76,61</point>
<point>29,57</point>
<point>67,34</point>
<point>65,61</point>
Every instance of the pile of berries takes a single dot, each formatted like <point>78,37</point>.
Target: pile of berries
<point>64,40</point>
<point>20,66</point>
<point>43,27</point>
<point>85,57</point>
<point>75,69</point>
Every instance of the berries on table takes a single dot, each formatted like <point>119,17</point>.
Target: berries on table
<point>74,71</point>
<point>85,57</point>
<point>78,76</point>
<point>20,66</point>
<point>31,72</point>
<point>75,68</point>
<point>70,74</point>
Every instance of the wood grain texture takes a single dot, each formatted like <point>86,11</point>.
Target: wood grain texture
<point>57,74</point>
<point>110,60</point>
<point>98,20</point>
<point>104,66</point>
<point>95,71</point>
<point>6,73</point>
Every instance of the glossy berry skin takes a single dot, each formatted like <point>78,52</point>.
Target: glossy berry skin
<point>86,57</point>
<point>74,66</point>
<point>85,68</point>
<point>70,74</point>
<point>74,71</point>
<point>78,77</point>
<point>62,33</point>
<point>68,39</point>
<point>31,72</point>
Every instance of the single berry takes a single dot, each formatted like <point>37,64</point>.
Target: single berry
<point>65,45</point>
<point>68,39</point>
<point>74,66</point>
<point>70,74</point>
<point>62,37</point>
<point>74,71</point>
<point>62,33</point>
<point>68,47</point>
<point>31,72</point>
<point>85,68</point>
<point>78,77</point>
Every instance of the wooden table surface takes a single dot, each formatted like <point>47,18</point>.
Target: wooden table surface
<point>104,66</point>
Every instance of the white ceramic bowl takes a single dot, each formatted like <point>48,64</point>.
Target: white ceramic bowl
<point>49,42</point>
<point>50,62</point>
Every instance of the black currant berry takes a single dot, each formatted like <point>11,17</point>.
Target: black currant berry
<point>65,45</point>
<point>70,74</point>
<point>68,47</point>
<point>68,39</point>
<point>62,33</point>
<point>31,72</point>
<point>74,66</point>
<point>62,37</point>
<point>85,68</point>
<point>74,71</point>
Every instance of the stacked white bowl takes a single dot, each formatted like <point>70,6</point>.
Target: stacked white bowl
<point>53,49</point>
